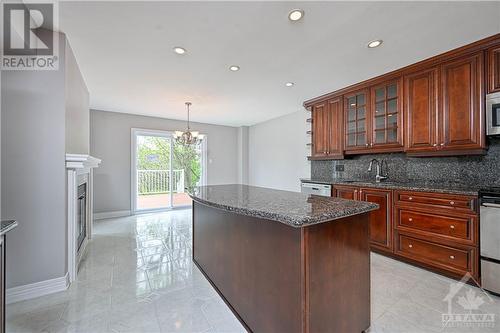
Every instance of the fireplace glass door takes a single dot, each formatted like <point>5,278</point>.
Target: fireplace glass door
<point>82,215</point>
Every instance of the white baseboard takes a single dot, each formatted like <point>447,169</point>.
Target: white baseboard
<point>110,215</point>
<point>37,289</point>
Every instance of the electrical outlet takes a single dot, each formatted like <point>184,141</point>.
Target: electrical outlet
<point>339,167</point>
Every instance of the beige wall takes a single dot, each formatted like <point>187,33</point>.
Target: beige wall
<point>33,173</point>
<point>277,152</point>
<point>110,141</point>
<point>77,107</point>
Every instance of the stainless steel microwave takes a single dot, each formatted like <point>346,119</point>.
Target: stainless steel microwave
<point>493,114</point>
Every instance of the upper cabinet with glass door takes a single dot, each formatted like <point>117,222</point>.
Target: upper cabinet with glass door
<point>386,116</point>
<point>356,121</point>
<point>373,119</point>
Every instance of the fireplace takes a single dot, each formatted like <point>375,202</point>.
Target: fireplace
<point>79,208</point>
<point>81,224</point>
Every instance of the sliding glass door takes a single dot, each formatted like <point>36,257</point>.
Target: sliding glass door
<point>163,171</point>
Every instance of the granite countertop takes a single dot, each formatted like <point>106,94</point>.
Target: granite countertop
<point>6,226</point>
<point>291,208</point>
<point>453,188</point>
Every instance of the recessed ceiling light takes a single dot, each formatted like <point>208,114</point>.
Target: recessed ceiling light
<point>375,43</point>
<point>234,68</point>
<point>179,50</point>
<point>289,84</point>
<point>296,15</point>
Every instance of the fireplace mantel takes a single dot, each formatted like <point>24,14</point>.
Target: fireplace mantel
<point>81,161</point>
<point>79,169</point>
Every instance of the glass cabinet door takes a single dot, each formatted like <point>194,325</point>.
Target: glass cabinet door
<point>356,120</point>
<point>385,114</point>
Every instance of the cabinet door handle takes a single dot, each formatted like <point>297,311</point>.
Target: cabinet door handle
<point>442,144</point>
<point>410,219</point>
<point>371,144</point>
<point>452,203</point>
<point>410,198</point>
<point>367,145</point>
<point>410,246</point>
<point>452,257</point>
<point>452,226</point>
<point>435,145</point>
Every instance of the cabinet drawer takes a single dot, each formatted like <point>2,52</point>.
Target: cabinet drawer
<point>445,257</point>
<point>456,227</point>
<point>441,200</point>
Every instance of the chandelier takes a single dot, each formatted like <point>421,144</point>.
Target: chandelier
<point>187,137</point>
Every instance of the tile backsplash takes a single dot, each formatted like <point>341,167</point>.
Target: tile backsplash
<point>468,170</point>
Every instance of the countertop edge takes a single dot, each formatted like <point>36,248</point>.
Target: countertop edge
<point>281,218</point>
<point>393,186</point>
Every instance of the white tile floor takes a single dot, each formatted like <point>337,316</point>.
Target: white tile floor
<point>138,277</point>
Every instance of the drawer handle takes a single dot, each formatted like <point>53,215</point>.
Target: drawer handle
<point>452,226</point>
<point>410,246</point>
<point>410,219</point>
<point>452,203</point>
<point>452,257</point>
<point>410,198</point>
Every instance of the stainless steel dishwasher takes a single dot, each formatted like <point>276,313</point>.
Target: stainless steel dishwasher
<point>490,238</point>
<point>317,189</point>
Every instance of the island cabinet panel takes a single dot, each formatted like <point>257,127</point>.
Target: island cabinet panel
<point>493,79</point>
<point>421,110</point>
<point>254,264</point>
<point>279,278</point>
<point>327,278</point>
<point>380,219</point>
<point>462,104</point>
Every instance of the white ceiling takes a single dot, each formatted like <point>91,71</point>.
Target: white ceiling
<point>124,50</point>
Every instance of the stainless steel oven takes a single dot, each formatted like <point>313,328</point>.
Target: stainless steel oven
<point>493,114</point>
<point>490,238</point>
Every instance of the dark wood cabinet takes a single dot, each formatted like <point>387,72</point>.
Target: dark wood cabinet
<point>462,98</point>
<point>319,130</point>
<point>346,192</point>
<point>438,230</point>
<point>450,259</point>
<point>444,108</point>
<point>421,94</point>
<point>335,124</point>
<point>380,219</point>
<point>356,121</point>
<point>386,116</point>
<point>493,63</point>
<point>431,108</point>
<point>327,132</point>
<point>373,119</point>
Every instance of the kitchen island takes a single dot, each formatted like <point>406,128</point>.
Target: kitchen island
<point>285,261</point>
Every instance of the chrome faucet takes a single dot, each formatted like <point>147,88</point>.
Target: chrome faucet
<point>378,177</point>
